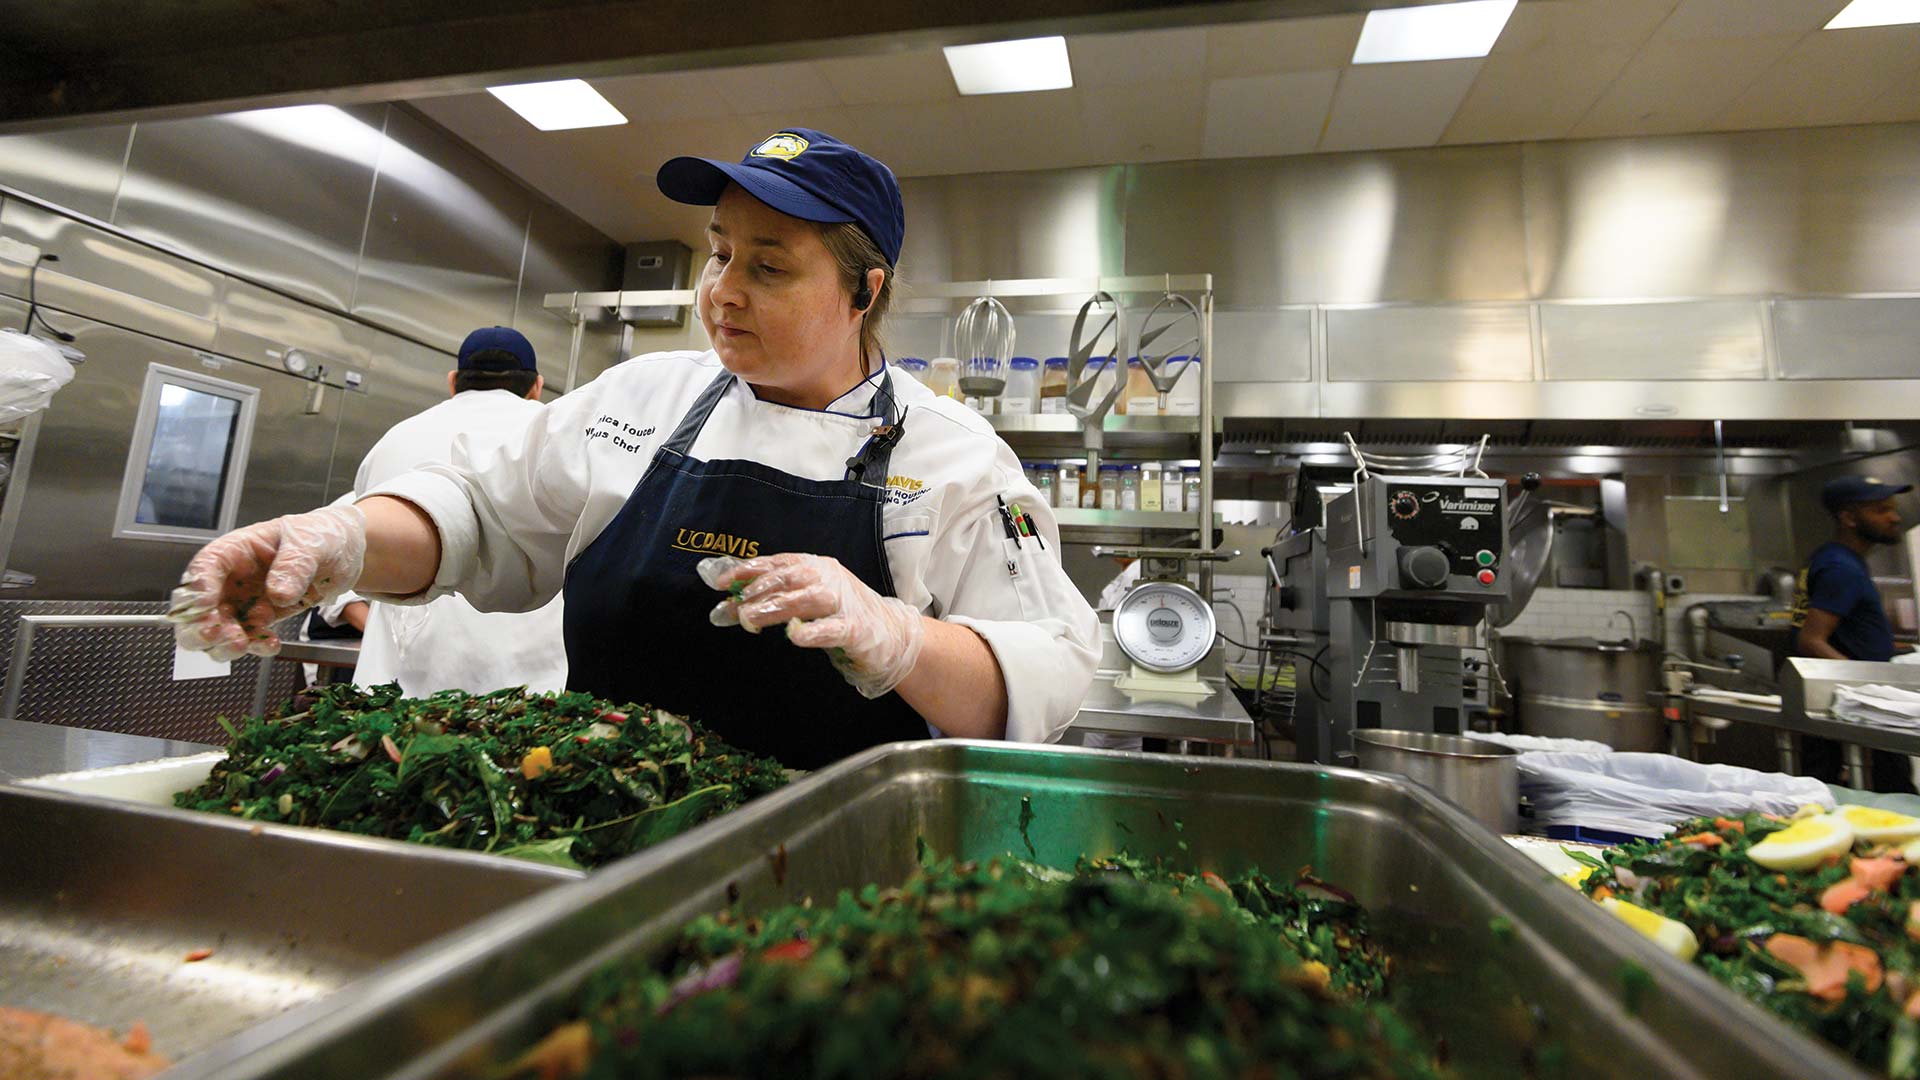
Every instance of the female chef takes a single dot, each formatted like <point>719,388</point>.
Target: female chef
<point>776,536</point>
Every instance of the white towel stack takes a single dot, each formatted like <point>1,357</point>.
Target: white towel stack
<point>1877,703</point>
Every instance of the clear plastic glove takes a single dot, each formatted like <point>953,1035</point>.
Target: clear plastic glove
<point>239,585</point>
<point>873,640</point>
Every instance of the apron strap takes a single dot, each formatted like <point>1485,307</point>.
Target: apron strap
<point>681,442</point>
<point>877,452</point>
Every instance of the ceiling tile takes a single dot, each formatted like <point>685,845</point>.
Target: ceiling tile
<point>1145,56</point>
<point>1747,18</point>
<point>1581,23</point>
<point>1538,94</point>
<point>1828,78</point>
<point>915,140</point>
<point>669,97</point>
<point>1381,106</point>
<point>772,87</point>
<point>901,78</point>
<point>1267,115</point>
<point>473,116</point>
<point>1269,48</point>
<point>1678,85</point>
<point>1154,122</point>
<point>1010,132</point>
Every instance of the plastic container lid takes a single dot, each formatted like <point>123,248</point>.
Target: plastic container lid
<point>1129,468</point>
<point>1025,363</point>
<point>912,363</point>
<point>1057,361</point>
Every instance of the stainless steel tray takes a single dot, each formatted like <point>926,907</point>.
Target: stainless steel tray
<point>102,901</point>
<point>1506,964</point>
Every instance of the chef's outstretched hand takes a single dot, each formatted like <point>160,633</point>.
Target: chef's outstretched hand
<point>873,640</point>
<point>242,583</point>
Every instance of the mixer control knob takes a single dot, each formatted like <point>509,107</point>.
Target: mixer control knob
<point>1423,568</point>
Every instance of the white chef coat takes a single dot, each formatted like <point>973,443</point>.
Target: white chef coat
<point>447,644</point>
<point>512,515</point>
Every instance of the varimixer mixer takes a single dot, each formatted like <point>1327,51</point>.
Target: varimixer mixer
<point>1386,600</point>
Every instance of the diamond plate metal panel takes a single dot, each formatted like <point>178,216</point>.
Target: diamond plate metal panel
<point>121,679</point>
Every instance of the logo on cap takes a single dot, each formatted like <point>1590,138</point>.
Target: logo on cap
<point>786,146</point>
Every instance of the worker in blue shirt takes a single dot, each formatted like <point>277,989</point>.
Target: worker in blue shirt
<point>1836,608</point>
<point>1837,612</point>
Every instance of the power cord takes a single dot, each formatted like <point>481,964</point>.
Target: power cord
<point>33,301</point>
<point>1314,660</point>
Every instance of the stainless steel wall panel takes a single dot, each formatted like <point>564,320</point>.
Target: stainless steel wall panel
<point>403,378</point>
<point>275,195</point>
<point>1707,339</point>
<point>1263,346</point>
<point>1281,399</point>
<point>445,238</point>
<point>111,278</point>
<point>1848,339</point>
<point>65,536</point>
<point>1827,210</point>
<point>1064,223</point>
<point>564,255</point>
<point>260,325</point>
<point>1422,343</point>
<point>1623,400</point>
<point>77,169</point>
<point>1426,225</point>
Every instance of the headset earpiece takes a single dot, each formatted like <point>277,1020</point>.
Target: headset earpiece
<point>863,296</point>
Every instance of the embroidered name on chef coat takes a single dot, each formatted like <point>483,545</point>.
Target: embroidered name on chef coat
<point>619,433</point>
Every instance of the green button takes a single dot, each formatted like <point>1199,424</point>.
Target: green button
<point>1485,558</point>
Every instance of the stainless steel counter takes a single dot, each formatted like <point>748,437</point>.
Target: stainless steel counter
<point>1218,720</point>
<point>1790,725</point>
<point>28,749</point>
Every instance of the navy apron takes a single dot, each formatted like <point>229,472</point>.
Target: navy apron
<point>636,610</point>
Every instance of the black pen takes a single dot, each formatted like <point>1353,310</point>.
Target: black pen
<point>1006,521</point>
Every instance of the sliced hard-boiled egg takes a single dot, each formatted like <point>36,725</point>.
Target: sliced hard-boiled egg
<point>1879,826</point>
<point>1804,843</point>
<point>1577,876</point>
<point>1667,933</point>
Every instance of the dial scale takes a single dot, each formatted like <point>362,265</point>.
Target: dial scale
<point>1164,627</point>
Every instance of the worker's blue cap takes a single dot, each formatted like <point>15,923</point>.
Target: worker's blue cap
<point>483,348</point>
<point>1844,491</point>
<point>803,173</point>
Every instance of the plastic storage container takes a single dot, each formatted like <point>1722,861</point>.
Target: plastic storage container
<point>1066,487</point>
<point>1150,491</point>
<point>1190,487</point>
<point>943,376</point>
<point>1142,399</point>
<point>1110,488</point>
<point>1044,478</point>
<point>1053,385</point>
<point>1022,395</point>
<point>912,367</point>
<point>1129,486</point>
<point>1184,398</point>
<point>1173,497</point>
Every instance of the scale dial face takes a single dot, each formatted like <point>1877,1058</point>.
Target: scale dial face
<point>1164,626</point>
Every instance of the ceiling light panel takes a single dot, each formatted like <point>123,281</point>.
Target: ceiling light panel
<point>558,106</point>
<point>1434,32</point>
<point>1876,13</point>
<point>1011,67</point>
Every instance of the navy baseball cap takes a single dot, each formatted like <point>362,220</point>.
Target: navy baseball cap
<point>497,339</point>
<point>803,173</point>
<point>1844,491</point>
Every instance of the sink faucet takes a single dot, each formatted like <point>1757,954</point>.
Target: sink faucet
<point>1633,629</point>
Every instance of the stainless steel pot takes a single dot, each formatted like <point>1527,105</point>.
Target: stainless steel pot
<point>1479,777</point>
<point>1581,688</point>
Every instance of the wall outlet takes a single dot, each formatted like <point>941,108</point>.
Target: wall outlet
<point>18,251</point>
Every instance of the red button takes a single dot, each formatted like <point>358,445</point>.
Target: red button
<point>1486,577</point>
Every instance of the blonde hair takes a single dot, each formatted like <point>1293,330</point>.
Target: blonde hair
<point>856,253</point>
